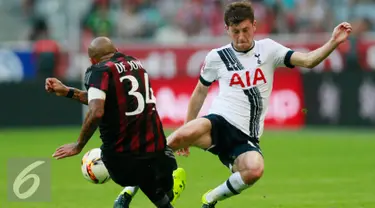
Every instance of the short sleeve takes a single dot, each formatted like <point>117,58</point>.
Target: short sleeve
<point>281,54</point>
<point>97,78</point>
<point>210,68</point>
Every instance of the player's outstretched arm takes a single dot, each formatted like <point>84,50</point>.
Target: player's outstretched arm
<point>54,85</point>
<point>196,101</point>
<point>313,58</point>
<point>91,123</point>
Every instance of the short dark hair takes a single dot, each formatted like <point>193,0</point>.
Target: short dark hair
<point>237,12</point>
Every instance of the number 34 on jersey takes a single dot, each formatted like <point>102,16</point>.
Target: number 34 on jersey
<point>149,97</point>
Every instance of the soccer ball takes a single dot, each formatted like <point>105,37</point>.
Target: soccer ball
<point>93,168</point>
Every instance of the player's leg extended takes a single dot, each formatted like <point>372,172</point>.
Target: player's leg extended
<point>194,133</point>
<point>125,197</point>
<point>247,169</point>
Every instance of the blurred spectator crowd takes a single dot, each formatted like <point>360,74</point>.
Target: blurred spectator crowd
<point>54,27</point>
<point>159,20</point>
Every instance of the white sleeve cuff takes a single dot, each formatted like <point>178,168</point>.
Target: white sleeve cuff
<point>95,93</point>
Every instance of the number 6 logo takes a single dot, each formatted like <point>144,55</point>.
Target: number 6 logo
<point>23,177</point>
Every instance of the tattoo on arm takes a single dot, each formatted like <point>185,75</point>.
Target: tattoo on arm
<point>80,96</point>
<point>93,117</point>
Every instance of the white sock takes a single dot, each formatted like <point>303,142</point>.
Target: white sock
<point>233,186</point>
<point>132,190</point>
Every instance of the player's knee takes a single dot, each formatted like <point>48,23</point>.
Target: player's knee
<point>252,174</point>
<point>257,172</point>
<point>251,166</point>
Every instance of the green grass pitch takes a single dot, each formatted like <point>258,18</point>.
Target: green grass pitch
<point>303,169</point>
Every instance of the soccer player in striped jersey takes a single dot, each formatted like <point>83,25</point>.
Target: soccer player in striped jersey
<point>121,103</point>
<point>244,69</point>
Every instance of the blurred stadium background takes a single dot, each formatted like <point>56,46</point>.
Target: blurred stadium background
<point>319,135</point>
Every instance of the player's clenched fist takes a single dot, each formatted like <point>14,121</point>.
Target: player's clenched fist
<point>54,85</point>
<point>341,32</point>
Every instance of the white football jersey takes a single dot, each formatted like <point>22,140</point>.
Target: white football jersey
<point>245,82</point>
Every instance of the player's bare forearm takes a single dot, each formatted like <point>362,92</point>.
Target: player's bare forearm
<point>91,123</point>
<point>196,101</point>
<point>88,129</point>
<point>80,96</point>
<point>315,57</point>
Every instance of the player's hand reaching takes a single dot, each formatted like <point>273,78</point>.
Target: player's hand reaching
<point>54,85</point>
<point>183,152</point>
<point>67,150</point>
<point>341,32</point>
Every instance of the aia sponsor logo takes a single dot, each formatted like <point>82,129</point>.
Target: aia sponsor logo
<point>246,80</point>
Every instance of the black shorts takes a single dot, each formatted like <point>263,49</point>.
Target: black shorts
<point>228,142</point>
<point>148,171</point>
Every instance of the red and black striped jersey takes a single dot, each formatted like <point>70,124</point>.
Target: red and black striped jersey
<point>131,123</point>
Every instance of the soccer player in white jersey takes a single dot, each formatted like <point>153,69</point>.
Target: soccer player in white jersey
<point>244,69</point>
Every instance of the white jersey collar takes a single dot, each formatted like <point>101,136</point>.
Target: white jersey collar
<point>244,52</point>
